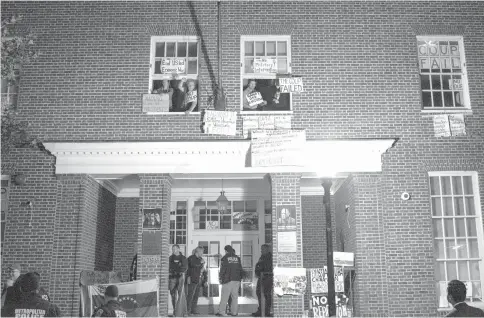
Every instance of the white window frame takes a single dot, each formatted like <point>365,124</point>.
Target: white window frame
<point>154,77</point>
<point>243,76</point>
<point>465,83</point>
<point>479,227</point>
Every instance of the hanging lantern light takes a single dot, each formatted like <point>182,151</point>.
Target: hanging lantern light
<point>222,202</point>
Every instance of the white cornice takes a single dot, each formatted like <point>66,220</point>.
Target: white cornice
<point>326,157</point>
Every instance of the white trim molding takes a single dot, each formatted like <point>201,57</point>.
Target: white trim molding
<point>325,158</point>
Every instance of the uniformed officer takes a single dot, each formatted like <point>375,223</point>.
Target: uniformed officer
<point>111,307</point>
<point>32,304</point>
<point>263,270</point>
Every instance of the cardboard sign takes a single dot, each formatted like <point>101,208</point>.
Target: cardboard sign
<point>265,122</point>
<point>155,103</point>
<point>291,84</point>
<point>441,126</point>
<point>265,65</point>
<point>192,96</point>
<point>172,65</point>
<point>277,147</point>
<point>319,280</point>
<point>457,125</point>
<point>220,122</point>
<point>320,307</point>
<point>254,99</point>
<point>455,84</point>
<point>343,259</point>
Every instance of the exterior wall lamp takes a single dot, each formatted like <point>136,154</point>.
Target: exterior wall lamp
<point>222,201</point>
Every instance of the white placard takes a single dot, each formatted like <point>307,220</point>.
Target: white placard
<point>254,99</point>
<point>291,85</point>
<point>265,122</point>
<point>441,126</point>
<point>287,242</point>
<point>343,259</point>
<point>220,122</point>
<point>172,65</point>
<point>457,125</point>
<point>265,65</point>
<point>155,103</point>
<point>277,147</point>
<point>192,96</point>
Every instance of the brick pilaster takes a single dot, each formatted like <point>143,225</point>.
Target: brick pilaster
<point>155,193</point>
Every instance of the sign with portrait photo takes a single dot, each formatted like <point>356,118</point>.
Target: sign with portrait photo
<point>286,218</point>
<point>151,219</point>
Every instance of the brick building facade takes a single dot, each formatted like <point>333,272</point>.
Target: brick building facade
<point>371,91</point>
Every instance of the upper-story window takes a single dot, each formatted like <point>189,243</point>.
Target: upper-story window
<point>442,68</point>
<point>174,72</point>
<point>263,59</point>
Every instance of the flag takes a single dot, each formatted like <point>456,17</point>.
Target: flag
<point>134,268</point>
<point>138,298</point>
<point>181,303</point>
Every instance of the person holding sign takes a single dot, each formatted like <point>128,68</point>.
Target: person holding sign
<point>252,98</point>
<point>166,93</point>
<point>191,97</point>
<point>178,97</point>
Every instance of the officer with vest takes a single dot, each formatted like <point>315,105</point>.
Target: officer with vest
<point>264,271</point>
<point>111,307</point>
<point>32,304</point>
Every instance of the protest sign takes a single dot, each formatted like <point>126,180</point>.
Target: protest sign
<point>172,65</point>
<point>457,125</point>
<point>220,122</point>
<point>265,122</point>
<point>155,103</point>
<point>441,126</point>
<point>192,96</point>
<point>277,147</point>
<point>289,281</point>
<point>245,221</point>
<point>455,84</point>
<point>320,307</point>
<point>254,98</point>
<point>291,85</point>
<point>265,65</point>
<point>319,280</point>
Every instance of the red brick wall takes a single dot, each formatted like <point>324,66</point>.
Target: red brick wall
<point>126,234</point>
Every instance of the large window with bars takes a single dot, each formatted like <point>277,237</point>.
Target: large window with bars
<point>457,233</point>
<point>178,225</point>
<point>238,216</point>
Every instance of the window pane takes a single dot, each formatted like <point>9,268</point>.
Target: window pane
<point>170,49</point>
<point>425,81</point>
<point>457,97</point>
<point>471,227</point>
<point>468,185</point>
<point>249,48</point>
<point>476,290</point>
<point>267,206</point>
<point>436,207</point>
<point>160,49</point>
<point>436,84</point>
<point>448,99</point>
<point>437,99</point>
<point>192,67</point>
<point>271,48</point>
<point>447,206</point>
<point>251,206</point>
<point>459,206</point>
<point>438,232</point>
<point>247,262</point>
<point>473,248</point>
<point>239,206</point>
<point>259,49</point>
<point>282,65</point>
<point>181,49</point>
<point>445,185</point>
<point>157,67</point>
<point>450,249</point>
<point>446,82</point>
<point>463,271</point>
<point>192,49</point>
<point>439,249</point>
<point>460,228</point>
<point>249,65</point>
<point>449,227</point>
<point>440,271</point>
<point>451,271</point>
<point>474,267</point>
<point>461,248</point>
<point>282,48</point>
<point>172,224</point>
<point>247,248</point>
<point>470,208</point>
<point>457,185</point>
<point>426,99</point>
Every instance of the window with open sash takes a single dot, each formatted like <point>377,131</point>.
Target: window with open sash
<point>174,71</point>
<point>178,226</point>
<point>263,59</point>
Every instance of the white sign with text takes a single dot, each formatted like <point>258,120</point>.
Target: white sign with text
<point>277,147</point>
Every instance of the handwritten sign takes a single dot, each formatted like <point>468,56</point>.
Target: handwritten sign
<point>192,96</point>
<point>343,259</point>
<point>441,126</point>
<point>220,122</point>
<point>277,147</point>
<point>254,99</point>
<point>320,307</point>
<point>319,280</point>
<point>291,84</point>
<point>172,65</point>
<point>155,103</point>
<point>289,281</point>
<point>265,65</point>
<point>457,125</point>
<point>287,242</point>
<point>265,122</point>
<point>455,84</point>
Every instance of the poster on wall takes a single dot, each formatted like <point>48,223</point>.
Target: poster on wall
<point>219,122</point>
<point>457,125</point>
<point>441,126</point>
<point>319,280</point>
<point>245,221</point>
<point>289,281</point>
<point>277,147</point>
<point>286,218</point>
<point>287,242</point>
<point>291,84</point>
<point>320,308</point>
<point>265,122</point>
<point>151,219</point>
<point>151,243</point>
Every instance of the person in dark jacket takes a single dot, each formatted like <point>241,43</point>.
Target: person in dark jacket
<point>111,307</point>
<point>178,266</point>
<point>456,295</point>
<point>11,291</point>
<point>230,277</point>
<point>31,303</point>
<point>264,271</point>
<point>196,277</point>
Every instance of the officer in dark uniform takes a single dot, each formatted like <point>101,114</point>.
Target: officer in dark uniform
<point>178,265</point>
<point>263,270</point>
<point>32,304</point>
<point>111,307</point>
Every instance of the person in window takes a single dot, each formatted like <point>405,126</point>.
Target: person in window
<point>456,295</point>
<point>166,93</point>
<point>248,90</point>
<point>178,97</point>
<point>189,103</point>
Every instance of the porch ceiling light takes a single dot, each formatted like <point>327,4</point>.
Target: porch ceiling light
<point>222,202</point>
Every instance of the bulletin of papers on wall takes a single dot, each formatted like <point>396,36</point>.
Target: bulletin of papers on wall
<point>449,125</point>
<point>220,122</point>
<point>265,122</point>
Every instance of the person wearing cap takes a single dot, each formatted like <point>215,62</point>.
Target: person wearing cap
<point>11,290</point>
<point>111,307</point>
<point>31,303</point>
<point>230,277</point>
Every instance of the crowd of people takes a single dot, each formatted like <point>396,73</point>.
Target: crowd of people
<point>187,276</point>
